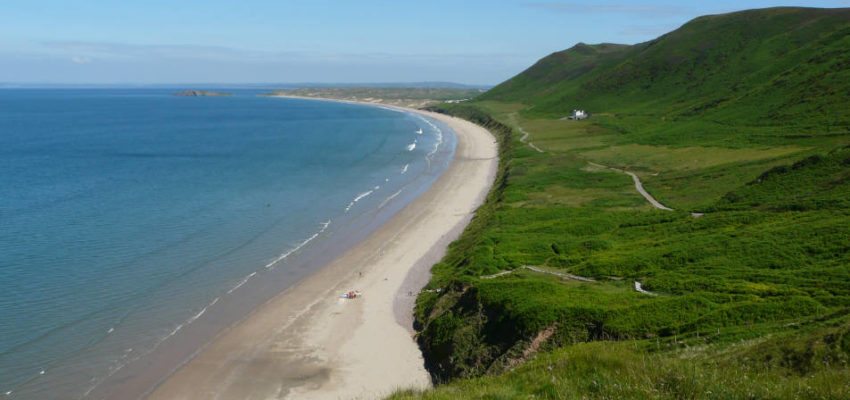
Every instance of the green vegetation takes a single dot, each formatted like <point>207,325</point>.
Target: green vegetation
<point>750,298</point>
<point>755,77</point>
<point>628,371</point>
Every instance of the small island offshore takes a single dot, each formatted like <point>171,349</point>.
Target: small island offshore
<point>200,93</point>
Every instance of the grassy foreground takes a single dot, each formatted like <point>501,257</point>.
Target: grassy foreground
<point>748,280</point>
<point>619,371</point>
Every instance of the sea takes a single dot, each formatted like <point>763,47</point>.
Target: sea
<point>134,221</point>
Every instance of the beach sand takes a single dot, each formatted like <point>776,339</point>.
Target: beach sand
<point>308,343</point>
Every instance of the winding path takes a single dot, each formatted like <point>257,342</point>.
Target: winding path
<point>561,274</point>
<point>525,134</point>
<point>496,275</point>
<point>638,185</point>
<point>542,271</point>
<point>524,139</point>
<point>639,288</point>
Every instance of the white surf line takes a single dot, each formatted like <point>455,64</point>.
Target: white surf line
<point>191,319</point>
<point>438,133</point>
<point>640,289</point>
<point>122,361</point>
<point>390,198</point>
<point>179,327</point>
<point>202,312</point>
<point>140,355</point>
<point>359,197</point>
<point>283,256</point>
<point>638,185</point>
<point>290,252</point>
<point>381,106</point>
<point>242,282</point>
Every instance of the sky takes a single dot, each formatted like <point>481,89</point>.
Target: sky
<point>321,41</point>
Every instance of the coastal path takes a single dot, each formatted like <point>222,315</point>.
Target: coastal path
<point>638,185</point>
<point>525,134</point>
<point>542,271</point>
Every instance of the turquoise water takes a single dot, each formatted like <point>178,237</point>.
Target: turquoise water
<point>133,221</point>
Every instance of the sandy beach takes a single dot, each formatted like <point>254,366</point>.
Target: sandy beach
<point>308,343</point>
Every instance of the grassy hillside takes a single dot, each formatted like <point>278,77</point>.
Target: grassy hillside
<point>778,73</point>
<point>746,284</point>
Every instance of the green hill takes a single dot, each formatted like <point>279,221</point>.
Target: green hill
<point>737,122</point>
<point>783,68</point>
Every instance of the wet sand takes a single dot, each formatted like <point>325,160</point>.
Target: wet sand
<point>308,343</point>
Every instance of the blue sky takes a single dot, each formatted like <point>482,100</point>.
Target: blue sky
<point>185,41</point>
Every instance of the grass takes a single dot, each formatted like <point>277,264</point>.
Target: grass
<point>755,77</point>
<point>736,266</point>
<point>657,159</point>
<point>751,298</point>
<point>623,371</point>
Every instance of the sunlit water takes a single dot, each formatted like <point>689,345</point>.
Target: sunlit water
<point>127,217</point>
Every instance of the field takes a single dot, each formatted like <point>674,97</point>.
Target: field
<point>766,265</point>
<point>568,283</point>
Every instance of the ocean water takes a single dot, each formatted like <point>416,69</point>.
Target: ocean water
<point>135,221</point>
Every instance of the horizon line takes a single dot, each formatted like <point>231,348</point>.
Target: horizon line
<point>408,84</point>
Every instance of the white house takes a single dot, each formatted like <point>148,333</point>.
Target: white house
<point>578,115</point>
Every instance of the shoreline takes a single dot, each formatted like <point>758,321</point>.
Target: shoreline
<point>308,343</point>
